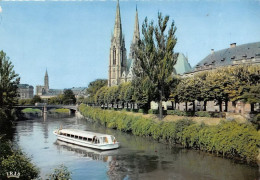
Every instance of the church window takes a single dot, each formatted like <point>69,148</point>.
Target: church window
<point>114,55</point>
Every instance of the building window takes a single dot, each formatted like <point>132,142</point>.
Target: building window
<point>114,55</point>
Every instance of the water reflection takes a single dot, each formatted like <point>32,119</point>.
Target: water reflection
<point>137,158</point>
<point>105,156</point>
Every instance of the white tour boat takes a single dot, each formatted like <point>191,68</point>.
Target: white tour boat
<point>87,139</point>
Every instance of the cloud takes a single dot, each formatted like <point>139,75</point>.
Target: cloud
<point>1,9</point>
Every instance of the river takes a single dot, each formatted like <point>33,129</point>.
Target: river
<point>137,158</point>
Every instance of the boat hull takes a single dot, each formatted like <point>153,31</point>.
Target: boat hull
<point>87,144</point>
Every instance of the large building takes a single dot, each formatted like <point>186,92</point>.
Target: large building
<point>120,68</point>
<point>79,91</point>
<point>234,55</point>
<point>41,90</point>
<point>44,91</point>
<point>25,91</point>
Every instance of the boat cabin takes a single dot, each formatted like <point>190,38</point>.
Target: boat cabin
<point>86,136</point>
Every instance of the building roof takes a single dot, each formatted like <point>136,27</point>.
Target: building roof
<point>182,65</point>
<point>24,86</point>
<point>229,55</point>
<point>78,88</point>
<point>53,92</point>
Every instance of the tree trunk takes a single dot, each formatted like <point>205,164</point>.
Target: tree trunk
<point>160,105</point>
<point>220,105</point>
<point>252,107</point>
<point>205,106</point>
<point>193,106</point>
<point>226,106</point>
<point>186,106</point>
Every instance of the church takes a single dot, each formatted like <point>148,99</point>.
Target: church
<point>120,67</point>
<point>44,91</point>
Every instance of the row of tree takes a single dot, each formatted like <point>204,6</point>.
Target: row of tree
<point>154,77</point>
<point>224,84</point>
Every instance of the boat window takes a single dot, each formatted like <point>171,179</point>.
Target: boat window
<point>77,137</point>
<point>68,135</point>
<point>80,137</point>
<point>72,136</point>
<point>85,139</point>
<point>89,140</point>
<point>106,140</point>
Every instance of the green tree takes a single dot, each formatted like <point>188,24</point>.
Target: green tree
<point>251,95</point>
<point>156,57</point>
<point>100,96</point>
<point>219,84</point>
<point>94,86</point>
<point>36,99</point>
<point>8,85</point>
<point>68,97</point>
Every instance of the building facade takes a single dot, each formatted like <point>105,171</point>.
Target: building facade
<point>25,91</point>
<point>41,90</point>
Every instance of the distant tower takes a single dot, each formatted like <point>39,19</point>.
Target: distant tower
<point>136,36</point>
<point>46,81</point>
<point>117,59</point>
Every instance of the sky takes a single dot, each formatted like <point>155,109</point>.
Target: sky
<point>71,39</point>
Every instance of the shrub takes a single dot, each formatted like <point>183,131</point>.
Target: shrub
<point>153,111</point>
<point>202,114</point>
<point>60,173</point>
<point>256,121</point>
<point>228,138</point>
<point>141,111</point>
<point>16,161</point>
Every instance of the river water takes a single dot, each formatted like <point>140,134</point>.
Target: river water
<point>137,158</point>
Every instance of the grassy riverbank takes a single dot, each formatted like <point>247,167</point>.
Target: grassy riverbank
<point>228,139</point>
<point>60,111</point>
<point>31,110</point>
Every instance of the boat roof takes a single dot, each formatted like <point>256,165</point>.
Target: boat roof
<point>87,134</point>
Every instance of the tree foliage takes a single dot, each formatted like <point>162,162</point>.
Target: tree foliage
<point>155,59</point>
<point>15,161</point>
<point>8,85</point>
<point>60,173</point>
<point>69,97</point>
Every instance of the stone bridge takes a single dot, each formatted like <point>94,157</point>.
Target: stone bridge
<point>46,107</point>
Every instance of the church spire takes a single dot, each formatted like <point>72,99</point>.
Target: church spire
<point>46,81</point>
<point>46,72</point>
<point>136,36</point>
<point>118,26</point>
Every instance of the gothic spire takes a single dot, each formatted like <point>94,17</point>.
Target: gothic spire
<point>118,26</point>
<point>136,36</point>
<point>46,73</point>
